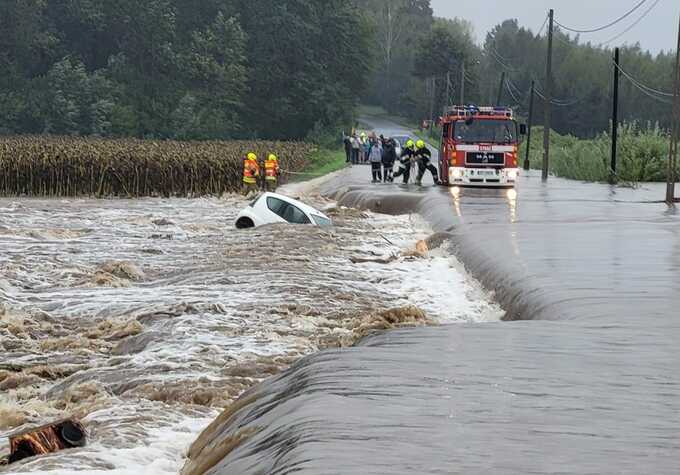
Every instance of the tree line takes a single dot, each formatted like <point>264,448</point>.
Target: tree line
<point>223,69</point>
<point>423,71</point>
<point>183,69</point>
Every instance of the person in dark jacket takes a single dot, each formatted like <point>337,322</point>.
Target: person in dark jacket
<point>405,160</point>
<point>347,141</point>
<point>389,156</point>
<point>423,157</point>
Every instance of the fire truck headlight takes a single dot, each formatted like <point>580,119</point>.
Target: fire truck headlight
<point>513,174</point>
<point>457,173</point>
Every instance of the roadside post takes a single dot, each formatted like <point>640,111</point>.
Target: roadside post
<point>527,163</point>
<point>675,133</point>
<point>615,117</point>
<point>548,99</point>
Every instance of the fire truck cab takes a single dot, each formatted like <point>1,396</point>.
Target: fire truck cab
<point>480,147</point>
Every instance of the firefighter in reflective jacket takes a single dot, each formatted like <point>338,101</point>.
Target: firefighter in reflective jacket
<point>423,157</point>
<point>271,172</point>
<point>407,155</point>
<point>251,173</point>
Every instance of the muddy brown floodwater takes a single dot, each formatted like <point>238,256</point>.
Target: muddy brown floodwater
<point>147,318</point>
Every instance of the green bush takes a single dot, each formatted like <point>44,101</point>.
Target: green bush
<point>642,154</point>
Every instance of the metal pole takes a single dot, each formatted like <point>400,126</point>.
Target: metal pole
<point>527,164</point>
<point>548,100</point>
<point>462,85</point>
<point>675,133</point>
<point>615,118</point>
<point>500,89</point>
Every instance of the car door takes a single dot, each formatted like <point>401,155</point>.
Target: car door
<point>295,215</point>
<point>276,208</point>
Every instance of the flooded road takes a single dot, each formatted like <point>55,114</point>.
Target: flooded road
<point>147,318</point>
<point>582,377</point>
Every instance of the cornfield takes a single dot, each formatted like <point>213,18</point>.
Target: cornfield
<point>72,166</point>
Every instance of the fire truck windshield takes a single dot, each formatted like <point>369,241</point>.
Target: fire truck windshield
<point>486,131</point>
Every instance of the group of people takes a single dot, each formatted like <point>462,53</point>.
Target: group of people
<point>254,179</point>
<point>381,153</point>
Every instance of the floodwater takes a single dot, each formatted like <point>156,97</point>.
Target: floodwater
<point>147,318</point>
<point>583,376</point>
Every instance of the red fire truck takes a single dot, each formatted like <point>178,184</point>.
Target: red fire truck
<point>480,147</point>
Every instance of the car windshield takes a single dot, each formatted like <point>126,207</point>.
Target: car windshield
<point>321,221</point>
<point>490,131</point>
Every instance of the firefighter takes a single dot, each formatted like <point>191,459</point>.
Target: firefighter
<point>251,174</point>
<point>407,155</point>
<point>423,157</point>
<point>271,172</point>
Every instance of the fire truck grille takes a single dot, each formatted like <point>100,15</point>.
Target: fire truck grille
<point>484,158</point>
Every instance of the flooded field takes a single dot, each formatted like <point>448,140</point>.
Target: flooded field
<point>147,318</point>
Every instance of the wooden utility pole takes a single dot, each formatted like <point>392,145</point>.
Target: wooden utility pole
<point>433,93</point>
<point>615,118</point>
<point>527,163</point>
<point>462,84</point>
<point>548,99</point>
<point>448,91</point>
<point>675,133</point>
<point>500,89</point>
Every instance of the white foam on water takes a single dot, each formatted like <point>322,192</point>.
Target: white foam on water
<point>212,314</point>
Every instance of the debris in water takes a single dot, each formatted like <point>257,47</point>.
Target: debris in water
<point>50,438</point>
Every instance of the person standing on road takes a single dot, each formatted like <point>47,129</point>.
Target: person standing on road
<point>347,141</point>
<point>388,158</point>
<point>405,161</point>
<point>375,157</point>
<point>423,157</point>
<point>251,174</point>
<point>356,145</point>
<point>271,172</point>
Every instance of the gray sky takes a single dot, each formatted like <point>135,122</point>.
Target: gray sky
<point>658,31</point>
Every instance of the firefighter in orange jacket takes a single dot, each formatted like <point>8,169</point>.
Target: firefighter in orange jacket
<point>271,172</point>
<point>251,173</point>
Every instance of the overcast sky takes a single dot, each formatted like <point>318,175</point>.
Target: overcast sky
<point>657,31</point>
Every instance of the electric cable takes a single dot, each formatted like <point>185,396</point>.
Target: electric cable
<point>633,25</point>
<point>608,25</point>
<point>540,31</point>
<point>640,84</point>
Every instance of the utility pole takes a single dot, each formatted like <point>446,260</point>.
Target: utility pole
<point>548,100</point>
<point>462,84</point>
<point>500,89</point>
<point>433,87</point>
<point>448,91</point>
<point>615,118</point>
<point>531,119</point>
<point>675,133</point>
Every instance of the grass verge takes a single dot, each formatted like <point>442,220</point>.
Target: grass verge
<point>322,162</point>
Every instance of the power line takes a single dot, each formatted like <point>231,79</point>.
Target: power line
<point>540,31</point>
<point>633,25</point>
<point>608,25</point>
<point>641,84</point>
<point>655,94</point>
<point>512,94</point>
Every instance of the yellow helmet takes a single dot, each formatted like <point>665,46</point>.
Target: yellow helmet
<point>251,156</point>
<point>420,144</point>
<point>272,157</point>
<point>409,143</point>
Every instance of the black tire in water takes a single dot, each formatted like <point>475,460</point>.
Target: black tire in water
<point>245,223</point>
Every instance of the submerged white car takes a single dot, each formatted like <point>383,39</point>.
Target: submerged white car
<point>270,208</point>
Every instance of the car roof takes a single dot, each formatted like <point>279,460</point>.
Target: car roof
<point>304,207</point>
